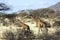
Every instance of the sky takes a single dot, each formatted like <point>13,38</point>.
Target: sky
<point>17,5</point>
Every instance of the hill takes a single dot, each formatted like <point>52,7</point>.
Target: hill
<point>55,6</point>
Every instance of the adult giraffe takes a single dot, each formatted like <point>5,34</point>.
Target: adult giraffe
<point>39,23</point>
<point>25,27</point>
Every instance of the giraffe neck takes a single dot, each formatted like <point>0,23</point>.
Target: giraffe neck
<point>23,25</point>
<point>39,23</point>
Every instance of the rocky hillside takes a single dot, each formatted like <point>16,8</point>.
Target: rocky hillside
<point>56,6</point>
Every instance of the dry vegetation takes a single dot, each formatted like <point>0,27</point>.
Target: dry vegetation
<point>10,30</point>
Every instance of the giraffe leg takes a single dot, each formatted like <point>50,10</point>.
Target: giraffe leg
<point>39,31</point>
<point>27,33</point>
<point>45,30</point>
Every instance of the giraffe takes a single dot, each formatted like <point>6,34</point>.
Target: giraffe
<point>26,28</point>
<point>39,23</point>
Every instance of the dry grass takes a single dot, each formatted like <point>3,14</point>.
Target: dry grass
<point>12,32</point>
